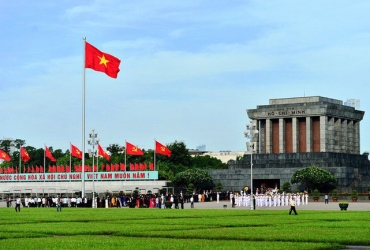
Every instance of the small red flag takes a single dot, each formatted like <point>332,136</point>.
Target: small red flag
<point>75,152</point>
<point>108,167</point>
<point>161,149</point>
<point>4,155</point>
<point>122,167</point>
<point>133,150</point>
<point>151,166</point>
<point>49,155</point>
<point>100,61</point>
<point>24,155</point>
<point>101,152</point>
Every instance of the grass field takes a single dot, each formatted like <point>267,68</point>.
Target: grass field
<point>86,228</point>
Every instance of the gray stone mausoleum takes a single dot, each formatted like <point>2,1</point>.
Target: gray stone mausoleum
<point>292,133</point>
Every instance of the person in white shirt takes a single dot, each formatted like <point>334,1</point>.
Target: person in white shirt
<point>26,200</point>
<point>18,204</point>
<point>292,207</point>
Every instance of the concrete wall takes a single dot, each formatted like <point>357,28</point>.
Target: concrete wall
<point>352,171</point>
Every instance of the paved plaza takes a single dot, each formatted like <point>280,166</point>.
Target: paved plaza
<point>353,206</point>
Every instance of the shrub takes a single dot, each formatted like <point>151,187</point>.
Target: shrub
<point>335,193</point>
<point>316,194</point>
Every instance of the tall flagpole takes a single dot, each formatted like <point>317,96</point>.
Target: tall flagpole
<point>155,168</point>
<point>44,160</point>
<point>20,163</point>
<point>70,157</point>
<point>125,154</point>
<point>83,121</point>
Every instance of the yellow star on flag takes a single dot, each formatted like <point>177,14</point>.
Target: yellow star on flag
<point>103,60</point>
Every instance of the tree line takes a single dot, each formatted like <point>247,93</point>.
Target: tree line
<point>168,167</point>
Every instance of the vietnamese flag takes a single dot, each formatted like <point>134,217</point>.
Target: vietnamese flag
<point>4,155</point>
<point>161,149</point>
<point>133,150</point>
<point>49,155</point>
<point>75,152</point>
<point>108,167</point>
<point>24,155</point>
<point>101,61</point>
<point>122,167</point>
<point>101,152</point>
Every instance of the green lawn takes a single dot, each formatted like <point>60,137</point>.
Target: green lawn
<point>79,228</point>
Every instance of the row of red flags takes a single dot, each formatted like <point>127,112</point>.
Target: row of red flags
<point>78,168</point>
<point>75,152</point>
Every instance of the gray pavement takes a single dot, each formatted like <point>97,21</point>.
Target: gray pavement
<point>353,206</point>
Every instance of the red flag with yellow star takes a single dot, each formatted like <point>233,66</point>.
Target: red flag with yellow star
<point>75,152</point>
<point>133,150</point>
<point>101,152</point>
<point>4,155</point>
<point>24,155</point>
<point>100,61</point>
<point>161,149</point>
<point>49,155</point>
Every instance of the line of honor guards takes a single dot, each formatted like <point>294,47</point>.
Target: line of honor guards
<point>270,199</point>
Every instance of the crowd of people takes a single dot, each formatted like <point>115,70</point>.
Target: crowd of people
<point>271,198</point>
<point>243,198</point>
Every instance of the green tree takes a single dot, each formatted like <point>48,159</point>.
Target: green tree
<point>207,162</point>
<point>286,187</point>
<point>18,143</point>
<point>5,145</point>
<point>179,154</point>
<point>190,189</point>
<point>197,177</point>
<point>219,186</point>
<point>313,177</point>
<point>114,148</point>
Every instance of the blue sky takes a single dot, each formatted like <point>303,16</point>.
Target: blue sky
<point>189,69</point>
